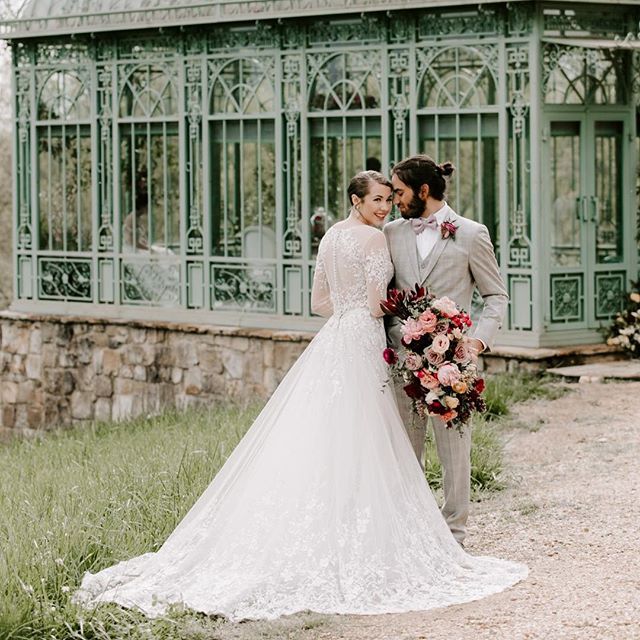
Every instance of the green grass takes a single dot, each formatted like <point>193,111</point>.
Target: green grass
<point>85,498</point>
<point>506,389</point>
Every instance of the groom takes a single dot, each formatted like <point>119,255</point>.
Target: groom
<point>450,255</point>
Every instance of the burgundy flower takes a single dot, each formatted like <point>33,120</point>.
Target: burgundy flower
<point>390,356</point>
<point>413,390</point>
<point>479,385</point>
<point>448,230</point>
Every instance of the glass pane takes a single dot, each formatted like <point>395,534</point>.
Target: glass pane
<point>585,76</point>
<point>242,86</point>
<point>64,96</point>
<point>458,77</point>
<point>148,92</point>
<point>471,144</point>
<point>345,81</point>
<point>150,208</point>
<point>243,189</point>
<point>606,207</point>
<point>339,148</point>
<point>566,203</point>
<point>64,196</point>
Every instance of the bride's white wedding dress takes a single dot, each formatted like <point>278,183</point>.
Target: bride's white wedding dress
<point>323,505</point>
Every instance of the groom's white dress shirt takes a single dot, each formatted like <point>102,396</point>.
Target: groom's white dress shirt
<point>426,240</point>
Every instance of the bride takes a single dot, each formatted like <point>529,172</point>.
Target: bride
<point>323,505</point>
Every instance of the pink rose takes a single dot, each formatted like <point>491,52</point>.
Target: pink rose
<point>446,306</point>
<point>448,374</point>
<point>412,330</point>
<point>430,382</point>
<point>462,354</point>
<point>442,326</point>
<point>429,320</point>
<point>440,343</point>
<point>413,361</point>
<point>433,358</point>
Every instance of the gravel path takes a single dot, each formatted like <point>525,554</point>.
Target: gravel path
<point>571,512</point>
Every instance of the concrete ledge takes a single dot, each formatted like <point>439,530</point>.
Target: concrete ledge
<point>596,372</point>
<point>509,359</point>
<point>182,327</point>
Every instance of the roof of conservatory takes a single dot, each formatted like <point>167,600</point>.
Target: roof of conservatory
<point>51,17</point>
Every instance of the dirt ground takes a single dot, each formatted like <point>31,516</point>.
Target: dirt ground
<point>571,512</point>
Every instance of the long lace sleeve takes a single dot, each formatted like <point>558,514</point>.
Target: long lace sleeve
<point>320,294</point>
<point>378,270</point>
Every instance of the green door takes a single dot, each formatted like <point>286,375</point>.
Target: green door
<point>587,218</point>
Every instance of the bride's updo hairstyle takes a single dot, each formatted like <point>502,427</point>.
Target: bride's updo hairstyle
<point>421,169</point>
<point>361,183</point>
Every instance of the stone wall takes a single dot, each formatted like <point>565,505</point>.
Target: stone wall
<point>65,370</point>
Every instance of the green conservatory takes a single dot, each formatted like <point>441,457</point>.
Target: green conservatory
<point>182,160</point>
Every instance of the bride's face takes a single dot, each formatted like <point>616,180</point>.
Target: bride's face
<point>376,205</point>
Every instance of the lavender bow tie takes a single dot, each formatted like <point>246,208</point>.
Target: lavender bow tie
<point>420,224</point>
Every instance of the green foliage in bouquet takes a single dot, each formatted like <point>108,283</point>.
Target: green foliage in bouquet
<point>625,329</point>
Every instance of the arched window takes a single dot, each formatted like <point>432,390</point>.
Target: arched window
<point>243,183</point>
<point>148,119</point>
<point>575,75</point>
<point>345,130</point>
<point>64,161</point>
<point>458,122</point>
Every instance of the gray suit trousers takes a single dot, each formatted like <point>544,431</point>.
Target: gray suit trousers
<point>454,452</point>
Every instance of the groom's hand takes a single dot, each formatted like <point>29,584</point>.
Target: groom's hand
<point>476,346</point>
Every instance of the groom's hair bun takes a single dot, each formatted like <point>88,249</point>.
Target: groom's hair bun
<point>446,169</point>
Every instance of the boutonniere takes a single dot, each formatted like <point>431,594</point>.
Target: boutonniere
<point>448,230</point>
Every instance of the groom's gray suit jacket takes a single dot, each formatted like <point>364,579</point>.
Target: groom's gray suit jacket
<point>453,268</point>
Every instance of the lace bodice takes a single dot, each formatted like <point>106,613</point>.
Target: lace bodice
<point>353,270</point>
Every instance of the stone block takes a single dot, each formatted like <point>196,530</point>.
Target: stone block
<point>103,387</point>
<point>102,410</point>
<point>233,362</point>
<point>16,366</point>
<point>49,355</point>
<point>210,359</point>
<point>35,340</point>
<point>35,416</point>
<point>9,392</point>
<point>176,375</point>
<point>26,390</point>
<point>186,354</point>
<point>123,386</point>
<point>66,359</point>
<point>33,366</point>
<point>270,380</point>
<point>138,335</point>
<point>22,417</point>
<point>122,407</point>
<point>268,353</point>
<point>193,381</point>
<point>126,371</point>
<point>111,362</point>
<point>8,416</point>
<point>140,373</point>
<point>5,361</point>
<point>81,405</point>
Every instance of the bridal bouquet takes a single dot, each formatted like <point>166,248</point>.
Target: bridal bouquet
<point>436,365</point>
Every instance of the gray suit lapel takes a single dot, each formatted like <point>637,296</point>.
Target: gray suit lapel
<point>431,260</point>
<point>412,251</point>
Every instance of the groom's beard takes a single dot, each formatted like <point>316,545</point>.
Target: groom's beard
<point>415,208</point>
